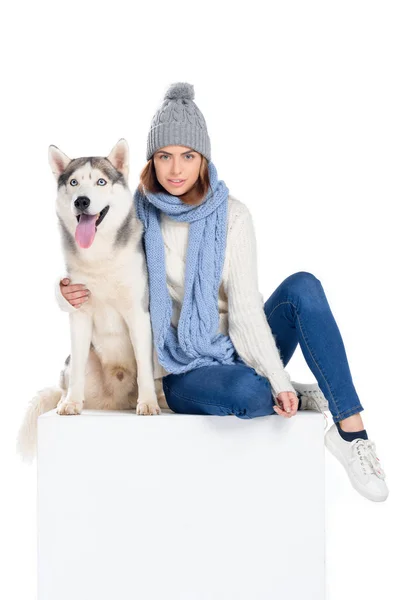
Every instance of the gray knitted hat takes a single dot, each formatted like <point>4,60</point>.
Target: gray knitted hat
<point>179,122</point>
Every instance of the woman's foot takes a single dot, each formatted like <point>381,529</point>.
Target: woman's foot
<point>361,463</point>
<point>311,398</point>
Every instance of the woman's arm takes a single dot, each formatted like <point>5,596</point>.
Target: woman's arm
<point>249,329</point>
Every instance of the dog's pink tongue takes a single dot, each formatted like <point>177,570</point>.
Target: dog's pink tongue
<point>86,230</point>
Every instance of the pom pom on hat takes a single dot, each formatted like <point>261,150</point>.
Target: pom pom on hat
<point>180,90</point>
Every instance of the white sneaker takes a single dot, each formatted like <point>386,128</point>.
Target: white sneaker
<point>361,463</point>
<point>312,398</point>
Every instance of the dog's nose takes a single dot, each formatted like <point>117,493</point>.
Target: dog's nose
<point>82,202</point>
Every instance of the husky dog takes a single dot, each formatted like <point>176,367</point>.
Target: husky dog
<point>111,360</point>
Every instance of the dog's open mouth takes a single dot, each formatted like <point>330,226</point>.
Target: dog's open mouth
<point>87,227</point>
<point>101,214</point>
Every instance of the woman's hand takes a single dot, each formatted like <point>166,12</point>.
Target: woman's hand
<point>289,402</point>
<point>76,294</point>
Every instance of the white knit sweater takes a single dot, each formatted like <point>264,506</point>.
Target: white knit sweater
<point>240,303</point>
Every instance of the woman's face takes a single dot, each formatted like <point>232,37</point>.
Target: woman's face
<point>177,168</point>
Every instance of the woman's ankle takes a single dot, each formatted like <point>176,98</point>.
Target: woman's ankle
<point>353,423</point>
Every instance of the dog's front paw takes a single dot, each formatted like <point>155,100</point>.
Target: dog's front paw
<point>148,408</point>
<point>66,406</point>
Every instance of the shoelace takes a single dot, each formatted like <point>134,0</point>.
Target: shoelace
<point>314,403</point>
<point>369,461</point>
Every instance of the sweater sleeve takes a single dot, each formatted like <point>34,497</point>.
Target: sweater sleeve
<point>249,329</point>
<point>63,304</point>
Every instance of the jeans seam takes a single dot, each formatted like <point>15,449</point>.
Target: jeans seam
<point>342,415</point>
<point>308,347</point>
<point>190,399</point>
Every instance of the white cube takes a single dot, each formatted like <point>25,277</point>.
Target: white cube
<point>180,507</point>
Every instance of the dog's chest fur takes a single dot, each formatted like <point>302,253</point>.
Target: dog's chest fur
<point>116,288</point>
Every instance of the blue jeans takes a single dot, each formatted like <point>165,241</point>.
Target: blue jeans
<point>297,312</point>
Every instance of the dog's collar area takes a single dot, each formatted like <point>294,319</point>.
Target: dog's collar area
<point>101,216</point>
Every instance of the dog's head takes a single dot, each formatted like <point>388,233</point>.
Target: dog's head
<point>92,192</point>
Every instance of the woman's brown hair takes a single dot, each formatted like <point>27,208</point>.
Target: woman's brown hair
<point>149,181</point>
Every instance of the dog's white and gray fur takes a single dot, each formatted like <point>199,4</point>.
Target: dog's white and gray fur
<point>111,360</point>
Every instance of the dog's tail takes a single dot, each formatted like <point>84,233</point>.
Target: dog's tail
<point>45,400</point>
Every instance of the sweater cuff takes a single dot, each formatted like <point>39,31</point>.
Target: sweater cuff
<point>280,382</point>
<point>61,301</point>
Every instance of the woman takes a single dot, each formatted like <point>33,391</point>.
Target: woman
<point>219,349</point>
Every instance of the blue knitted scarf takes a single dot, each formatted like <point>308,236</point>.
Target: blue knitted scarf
<point>195,342</point>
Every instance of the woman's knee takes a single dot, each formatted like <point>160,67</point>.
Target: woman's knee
<point>258,405</point>
<point>302,280</point>
<point>305,287</point>
<point>256,399</point>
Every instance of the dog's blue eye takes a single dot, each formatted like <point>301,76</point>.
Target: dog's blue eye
<point>73,182</point>
<point>101,182</point>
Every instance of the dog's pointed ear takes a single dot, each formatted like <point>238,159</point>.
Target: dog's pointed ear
<point>119,157</point>
<point>58,161</point>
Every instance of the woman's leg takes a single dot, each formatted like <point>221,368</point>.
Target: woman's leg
<point>298,312</point>
<point>220,390</point>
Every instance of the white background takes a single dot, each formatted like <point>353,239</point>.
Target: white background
<point>302,105</point>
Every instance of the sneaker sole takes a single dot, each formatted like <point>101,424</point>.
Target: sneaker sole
<point>337,454</point>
